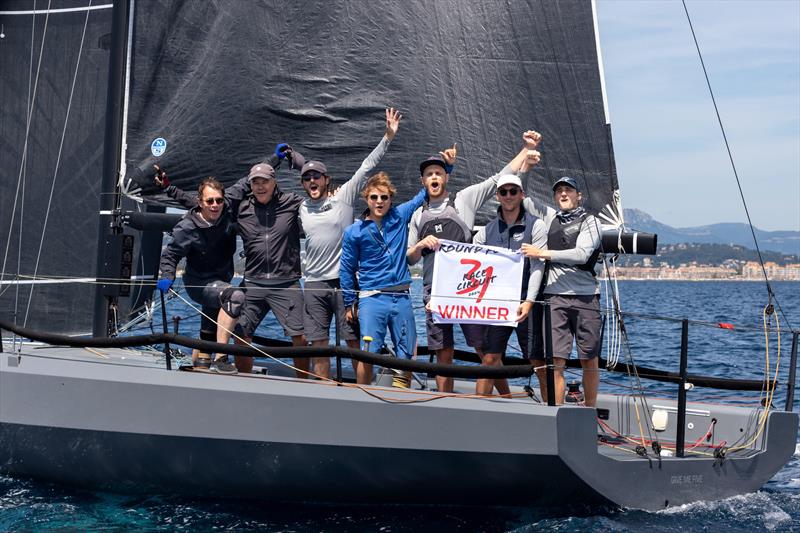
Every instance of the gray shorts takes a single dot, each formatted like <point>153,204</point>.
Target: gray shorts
<point>206,293</point>
<point>321,299</point>
<point>284,300</point>
<point>441,335</point>
<point>573,318</point>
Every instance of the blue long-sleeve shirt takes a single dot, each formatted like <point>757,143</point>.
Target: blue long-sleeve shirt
<point>377,254</point>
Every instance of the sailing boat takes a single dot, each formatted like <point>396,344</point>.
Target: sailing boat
<point>114,418</point>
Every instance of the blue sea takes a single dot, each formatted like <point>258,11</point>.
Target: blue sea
<point>738,353</point>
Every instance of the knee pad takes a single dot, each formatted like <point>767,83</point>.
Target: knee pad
<point>206,335</point>
<point>232,301</point>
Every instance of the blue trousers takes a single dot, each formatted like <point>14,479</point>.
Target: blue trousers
<point>377,312</point>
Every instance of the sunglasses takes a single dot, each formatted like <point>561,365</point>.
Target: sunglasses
<point>513,191</point>
<point>212,201</point>
<point>312,176</point>
<point>374,197</point>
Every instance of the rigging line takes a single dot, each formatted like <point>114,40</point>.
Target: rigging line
<point>31,104</point>
<point>770,293</point>
<point>28,104</point>
<point>58,161</point>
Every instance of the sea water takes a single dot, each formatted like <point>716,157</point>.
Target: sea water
<point>739,353</point>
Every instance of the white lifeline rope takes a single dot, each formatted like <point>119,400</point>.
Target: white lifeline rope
<point>58,160</point>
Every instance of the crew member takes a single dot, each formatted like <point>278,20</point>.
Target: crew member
<point>268,221</point>
<point>451,219</point>
<point>512,228</point>
<point>325,216</point>
<point>206,237</point>
<point>375,248</point>
<point>571,289</point>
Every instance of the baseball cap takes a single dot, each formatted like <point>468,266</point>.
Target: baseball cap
<point>433,160</point>
<point>262,170</point>
<point>314,165</point>
<point>566,180</point>
<point>510,179</point>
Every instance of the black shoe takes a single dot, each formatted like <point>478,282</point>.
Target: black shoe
<point>223,367</point>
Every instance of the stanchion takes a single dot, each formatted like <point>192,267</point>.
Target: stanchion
<point>548,356</point>
<point>792,374</point>
<point>680,432</point>
<point>336,317</point>
<point>164,322</point>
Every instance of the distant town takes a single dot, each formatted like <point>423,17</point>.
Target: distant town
<point>704,262</point>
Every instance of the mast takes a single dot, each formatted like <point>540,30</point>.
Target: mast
<point>109,193</point>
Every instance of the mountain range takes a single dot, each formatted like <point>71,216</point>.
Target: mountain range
<point>786,242</point>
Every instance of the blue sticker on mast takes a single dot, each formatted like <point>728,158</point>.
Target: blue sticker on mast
<point>158,147</point>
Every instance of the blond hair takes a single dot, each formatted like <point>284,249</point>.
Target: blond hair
<point>381,179</point>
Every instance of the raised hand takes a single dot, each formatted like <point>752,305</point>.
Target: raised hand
<point>393,118</point>
<point>160,177</point>
<point>450,154</point>
<point>531,139</point>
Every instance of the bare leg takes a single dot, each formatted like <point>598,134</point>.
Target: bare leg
<point>444,356</point>
<point>363,370</point>
<point>225,325</point>
<point>558,378</point>
<point>591,380</point>
<point>500,384</point>
<point>302,364</point>
<point>322,365</point>
<point>243,364</point>
<point>484,386</point>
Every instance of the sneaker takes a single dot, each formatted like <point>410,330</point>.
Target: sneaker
<point>203,361</point>
<point>223,367</point>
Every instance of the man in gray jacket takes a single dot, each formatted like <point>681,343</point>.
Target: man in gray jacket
<point>325,215</point>
<point>571,289</point>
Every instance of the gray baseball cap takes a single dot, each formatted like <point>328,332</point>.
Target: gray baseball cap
<point>314,165</point>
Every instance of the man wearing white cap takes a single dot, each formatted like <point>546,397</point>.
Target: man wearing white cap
<point>512,228</point>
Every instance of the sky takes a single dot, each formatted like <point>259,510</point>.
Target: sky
<point>670,153</point>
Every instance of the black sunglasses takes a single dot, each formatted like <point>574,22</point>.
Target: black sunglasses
<point>374,197</point>
<point>308,176</point>
<point>513,191</point>
<point>212,201</point>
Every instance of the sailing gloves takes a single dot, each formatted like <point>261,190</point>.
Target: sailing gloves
<point>160,178</point>
<point>164,284</point>
<point>283,150</point>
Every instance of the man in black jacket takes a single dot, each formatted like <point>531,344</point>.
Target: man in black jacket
<point>206,237</point>
<point>268,221</point>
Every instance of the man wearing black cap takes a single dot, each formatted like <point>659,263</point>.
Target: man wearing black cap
<point>325,217</point>
<point>571,289</point>
<point>451,219</point>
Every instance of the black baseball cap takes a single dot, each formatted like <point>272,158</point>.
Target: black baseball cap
<point>566,180</point>
<point>433,160</point>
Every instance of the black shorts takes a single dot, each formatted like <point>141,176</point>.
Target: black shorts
<point>573,319</point>
<point>497,337</point>
<point>284,300</point>
<point>321,299</point>
<point>441,335</point>
<point>206,293</point>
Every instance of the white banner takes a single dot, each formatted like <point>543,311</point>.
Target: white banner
<point>476,284</point>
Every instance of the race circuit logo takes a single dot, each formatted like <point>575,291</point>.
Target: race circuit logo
<point>476,281</point>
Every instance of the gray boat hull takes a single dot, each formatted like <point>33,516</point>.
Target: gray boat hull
<point>123,425</point>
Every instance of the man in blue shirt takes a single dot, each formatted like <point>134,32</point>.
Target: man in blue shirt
<point>375,247</point>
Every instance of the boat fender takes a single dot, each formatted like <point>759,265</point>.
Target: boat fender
<point>232,301</point>
<point>659,419</point>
